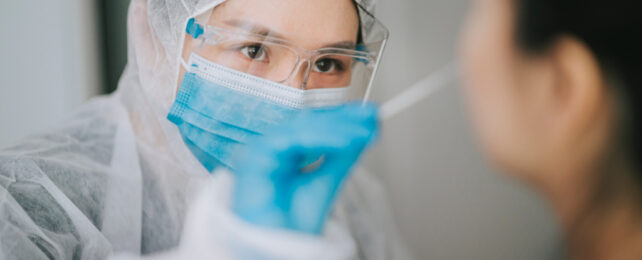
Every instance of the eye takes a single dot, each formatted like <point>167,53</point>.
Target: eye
<point>328,66</point>
<point>255,52</point>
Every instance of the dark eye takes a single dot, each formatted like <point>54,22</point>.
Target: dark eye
<point>327,66</point>
<point>255,52</point>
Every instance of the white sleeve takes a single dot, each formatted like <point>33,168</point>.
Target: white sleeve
<point>212,231</point>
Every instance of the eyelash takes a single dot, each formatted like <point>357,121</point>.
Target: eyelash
<point>339,66</point>
<point>240,47</point>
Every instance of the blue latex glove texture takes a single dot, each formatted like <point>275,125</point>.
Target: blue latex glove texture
<point>273,189</point>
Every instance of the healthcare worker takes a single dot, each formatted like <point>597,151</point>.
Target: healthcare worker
<point>203,80</point>
<point>554,91</point>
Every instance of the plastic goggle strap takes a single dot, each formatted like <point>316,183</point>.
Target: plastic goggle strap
<point>194,29</point>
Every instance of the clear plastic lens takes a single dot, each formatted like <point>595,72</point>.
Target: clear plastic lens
<point>331,70</point>
<point>278,62</point>
<point>253,56</point>
<point>281,61</point>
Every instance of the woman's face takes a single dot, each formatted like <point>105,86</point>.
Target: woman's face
<point>309,24</point>
<point>501,92</point>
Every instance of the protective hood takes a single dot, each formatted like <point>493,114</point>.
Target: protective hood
<point>156,32</point>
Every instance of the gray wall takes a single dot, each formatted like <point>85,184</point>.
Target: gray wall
<point>48,63</point>
<point>449,203</point>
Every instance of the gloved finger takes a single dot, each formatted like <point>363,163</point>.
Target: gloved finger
<point>347,123</point>
<point>312,194</point>
<point>316,192</point>
<point>335,142</point>
<point>337,135</point>
<point>323,134</point>
<point>335,167</point>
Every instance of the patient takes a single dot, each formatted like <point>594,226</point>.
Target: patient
<point>554,89</point>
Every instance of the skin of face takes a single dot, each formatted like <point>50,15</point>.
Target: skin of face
<point>530,110</point>
<point>309,24</point>
<point>499,109</point>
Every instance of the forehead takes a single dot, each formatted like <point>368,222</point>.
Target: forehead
<point>308,23</point>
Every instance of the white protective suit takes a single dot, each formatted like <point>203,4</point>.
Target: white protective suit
<point>117,178</point>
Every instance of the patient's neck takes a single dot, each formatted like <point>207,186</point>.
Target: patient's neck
<point>600,215</point>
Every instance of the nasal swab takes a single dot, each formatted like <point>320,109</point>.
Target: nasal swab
<point>419,91</point>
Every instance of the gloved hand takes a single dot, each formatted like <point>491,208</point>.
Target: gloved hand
<point>274,188</point>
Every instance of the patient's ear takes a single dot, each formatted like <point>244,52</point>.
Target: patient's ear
<point>578,89</point>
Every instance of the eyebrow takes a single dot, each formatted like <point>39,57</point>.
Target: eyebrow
<point>342,45</point>
<point>264,31</point>
<point>254,28</point>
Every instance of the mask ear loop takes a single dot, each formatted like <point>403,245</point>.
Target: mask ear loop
<point>187,70</point>
<point>195,30</point>
<point>185,65</point>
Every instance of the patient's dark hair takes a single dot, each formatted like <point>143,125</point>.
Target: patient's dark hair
<point>612,30</point>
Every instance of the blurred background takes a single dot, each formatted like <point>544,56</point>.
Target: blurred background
<point>448,202</point>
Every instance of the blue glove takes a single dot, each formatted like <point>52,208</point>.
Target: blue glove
<point>274,188</point>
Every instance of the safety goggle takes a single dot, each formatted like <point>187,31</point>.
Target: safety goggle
<point>282,61</point>
<point>279,60</point>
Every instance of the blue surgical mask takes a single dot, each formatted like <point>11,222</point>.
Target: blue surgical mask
<point>218,110</point>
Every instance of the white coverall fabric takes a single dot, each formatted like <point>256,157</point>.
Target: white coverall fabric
<point>116,177</point>
<point>210,222</point>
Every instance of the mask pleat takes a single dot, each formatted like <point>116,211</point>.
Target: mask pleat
<point>218,110</point>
